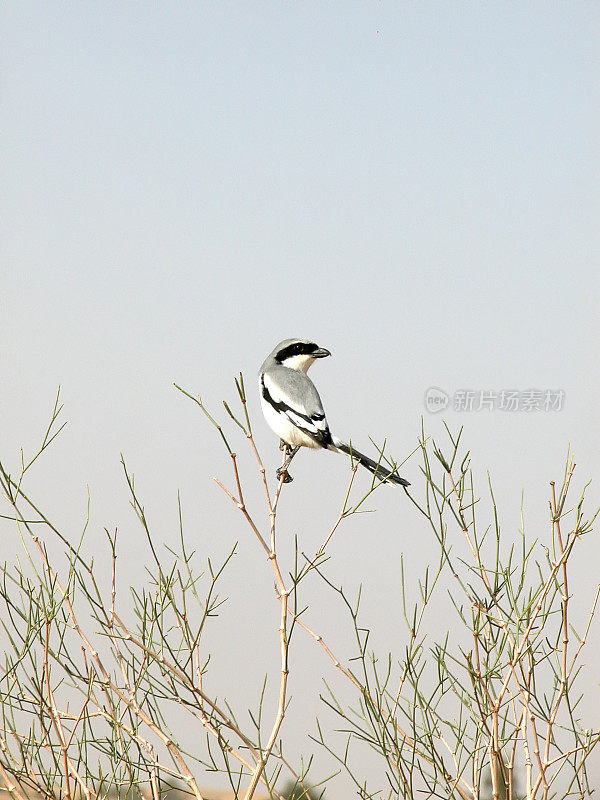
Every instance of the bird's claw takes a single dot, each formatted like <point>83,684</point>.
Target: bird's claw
<point>283,474</point>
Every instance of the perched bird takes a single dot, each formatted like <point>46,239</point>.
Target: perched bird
<point>293,408</point>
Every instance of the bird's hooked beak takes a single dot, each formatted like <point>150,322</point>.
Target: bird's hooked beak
<point>320,353</point>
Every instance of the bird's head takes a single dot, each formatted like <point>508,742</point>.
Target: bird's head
<point>298,354</point>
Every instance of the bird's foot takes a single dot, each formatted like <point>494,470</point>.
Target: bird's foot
<point>284,475</point>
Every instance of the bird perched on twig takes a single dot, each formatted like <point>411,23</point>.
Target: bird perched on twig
<point>293,408</point>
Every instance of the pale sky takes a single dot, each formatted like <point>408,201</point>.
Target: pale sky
<point>414,186</point>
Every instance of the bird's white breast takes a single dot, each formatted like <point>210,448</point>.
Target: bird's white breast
<point>284,428</point>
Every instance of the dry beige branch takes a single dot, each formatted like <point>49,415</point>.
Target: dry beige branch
<point>282,594</point>
<point>129,701</point>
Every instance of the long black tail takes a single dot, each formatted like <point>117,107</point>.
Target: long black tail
<point>380,470</point>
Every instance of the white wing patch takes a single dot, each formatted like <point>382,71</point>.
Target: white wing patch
<point>310,426</point>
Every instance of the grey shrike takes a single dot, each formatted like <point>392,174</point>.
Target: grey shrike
<point>293,408</point>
